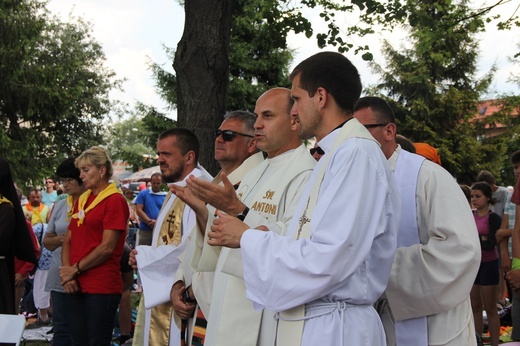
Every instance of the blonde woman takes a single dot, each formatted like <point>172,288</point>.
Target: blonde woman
<point>91,272</point>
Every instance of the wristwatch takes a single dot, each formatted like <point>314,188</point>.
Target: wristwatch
<point>243,214</point>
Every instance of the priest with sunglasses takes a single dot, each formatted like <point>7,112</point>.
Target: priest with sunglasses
<point>265,199</point>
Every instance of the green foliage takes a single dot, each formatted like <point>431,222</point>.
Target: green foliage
<point>133,139</point>
<point>433,87</point>
<point>53,91</point>
<point>258,53</point>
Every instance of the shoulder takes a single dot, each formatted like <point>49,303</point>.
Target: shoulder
<point>494,216</point>
<point>61,204</point>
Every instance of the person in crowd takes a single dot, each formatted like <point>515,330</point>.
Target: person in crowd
<point>38,214</point>
<point>500,193</point>
<point>500,196</point>
<point>91,252</point>
<point>23,268</point>
<point>316,152</point>
<point>405,144</point>
<point>53,241</point>
<point>237,154</point>
<point>268,195</point>
<point>124,316</point>
<point>133,221</point>
<point>323,277</point>
<point>435,220</point>
<point>427,151</point>
<point>50,194</point>
<point>503,236</point>
<point>35,211</point>
<point>15,240</point>
<point>484,291</point>
<point>147,205</point>
<point>178,153</point>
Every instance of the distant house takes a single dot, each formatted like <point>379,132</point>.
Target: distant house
<point>487,108</point>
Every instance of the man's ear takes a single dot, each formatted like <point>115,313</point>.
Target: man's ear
<point>390,132</point>
<point>190,157</point>
<point>251,146</point>
<point>322,97</point>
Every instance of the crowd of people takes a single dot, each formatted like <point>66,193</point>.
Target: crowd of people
<point>364,239</point>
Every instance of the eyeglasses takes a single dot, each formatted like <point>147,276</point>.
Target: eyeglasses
<point>317,150</point>
<point>370,126</point>
<point>228,135</point>
<point>49,182</point>
<point>67,180</point>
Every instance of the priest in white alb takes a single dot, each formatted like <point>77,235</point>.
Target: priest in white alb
<point>323,276</point>
<point>178,151</point>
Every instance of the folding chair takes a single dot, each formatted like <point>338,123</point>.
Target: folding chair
<point>11,328</point>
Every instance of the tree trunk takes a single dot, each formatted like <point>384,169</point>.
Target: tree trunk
<point>201,64</point>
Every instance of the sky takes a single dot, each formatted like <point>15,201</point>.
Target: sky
<point>133,32</point>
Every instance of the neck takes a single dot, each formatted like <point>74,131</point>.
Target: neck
<point>75,196</point>
<point>100,187</point>
<point>483,211</point>
<point>229,167</point>
<point>293,144</point>
<point>35,205</point>
<point>50,189</point>
<point>329,126</point>
<point>389,149</point>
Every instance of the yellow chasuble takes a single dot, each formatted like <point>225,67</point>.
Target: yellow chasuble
<point>170,233</point>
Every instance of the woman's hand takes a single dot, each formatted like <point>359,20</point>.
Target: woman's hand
<point>67,274</point>
<point>71,287</point>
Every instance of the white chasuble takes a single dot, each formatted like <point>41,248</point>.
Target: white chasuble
<point>157,265</point>
<point>271,191</point>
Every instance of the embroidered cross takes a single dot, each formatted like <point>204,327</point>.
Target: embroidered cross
<point>171,224</point>
<point>303,219</point>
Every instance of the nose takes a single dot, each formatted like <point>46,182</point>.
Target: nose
<point>219,139</point>
<point>294,110</point>
<point>258,123</point>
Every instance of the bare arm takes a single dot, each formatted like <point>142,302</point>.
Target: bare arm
<point>52,241</point>
<point>142,215</point>
<point>96,257</point>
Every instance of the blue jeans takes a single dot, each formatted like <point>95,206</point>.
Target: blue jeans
<point>91,318</point>
<point>60,320</point>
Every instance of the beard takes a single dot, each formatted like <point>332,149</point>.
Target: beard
<point>307,129</point>
<point>171,176</point>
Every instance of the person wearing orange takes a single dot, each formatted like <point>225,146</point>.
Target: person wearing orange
<point>91,254</point>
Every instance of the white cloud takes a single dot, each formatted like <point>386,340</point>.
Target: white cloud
<point>130,30</point>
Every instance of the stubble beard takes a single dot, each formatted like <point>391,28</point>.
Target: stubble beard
<point>308,129</point>
<point>173,177</point>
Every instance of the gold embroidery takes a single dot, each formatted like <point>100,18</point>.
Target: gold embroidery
<point>265,208</point>
<point>170,234</point>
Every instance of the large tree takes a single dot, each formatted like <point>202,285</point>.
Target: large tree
<point>434,87</point>
<point>53,91</point>
<point>202,56</point>
<point>258,60</point>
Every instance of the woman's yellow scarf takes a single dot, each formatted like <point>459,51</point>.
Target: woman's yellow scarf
<point>82,212</point>
<point>70,207</point>
<point>4,200</point>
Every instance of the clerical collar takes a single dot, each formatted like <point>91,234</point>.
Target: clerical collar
<point>341,125</point>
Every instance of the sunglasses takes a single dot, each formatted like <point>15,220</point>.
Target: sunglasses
<point>228,135</point>
<point>370,126</point>
<point>49,182</point>
<point>317,150</point>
